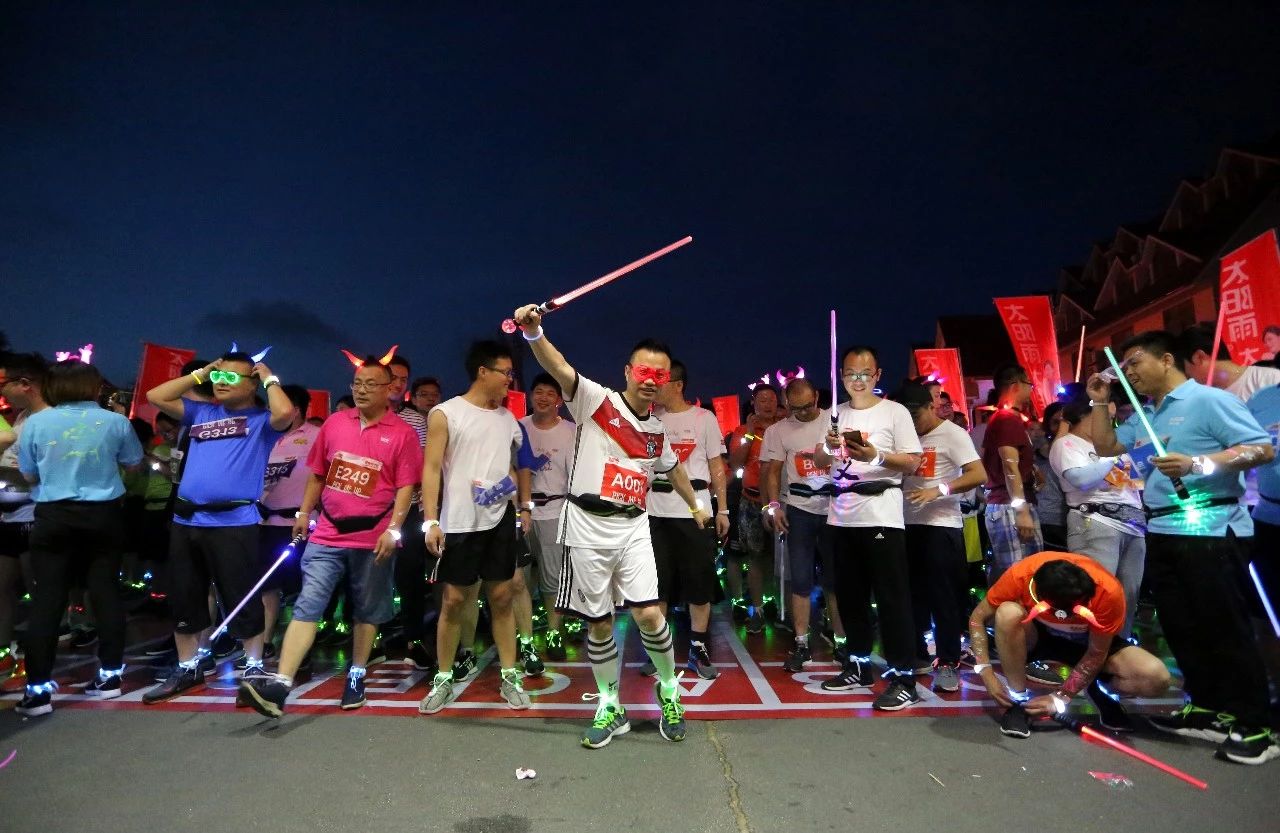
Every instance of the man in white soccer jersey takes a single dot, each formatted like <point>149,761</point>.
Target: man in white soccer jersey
<point>609,554</point>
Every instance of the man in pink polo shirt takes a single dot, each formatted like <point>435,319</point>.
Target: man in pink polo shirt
<point>364,466</point>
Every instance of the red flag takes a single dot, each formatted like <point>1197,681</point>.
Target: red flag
<point>319,406</point>
<point>943,364</point>
<point>728,413</point>
<point>1250,298</point>
<point>159,364</point>
<point>516,403</point>
<point>1029,320</point>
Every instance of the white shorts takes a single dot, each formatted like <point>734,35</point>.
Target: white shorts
<point>550,555</point>
<point>595,581</point>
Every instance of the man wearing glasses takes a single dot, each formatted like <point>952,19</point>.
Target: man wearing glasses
<point>797,495</point>
<point>469,476</point>
<point>1008,457</point>
<point>215,535</point>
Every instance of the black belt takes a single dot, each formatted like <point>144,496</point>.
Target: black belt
<point>540,499</point>
<point>1116,512</point>
<point>185,509</point>
<point>860,487</point>
<point>665,486</point>
<point>289,512</point>
<point>598,506</point>
<point>355,523</point>
<point>1164,511</point>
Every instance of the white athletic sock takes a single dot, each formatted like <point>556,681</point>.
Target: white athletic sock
<point>658,646</point>
<point>604,665</point>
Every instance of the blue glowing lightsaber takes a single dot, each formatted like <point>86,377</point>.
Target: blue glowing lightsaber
<point>1178,486</point>
<point>257,588</point>
<point>1262,594</point>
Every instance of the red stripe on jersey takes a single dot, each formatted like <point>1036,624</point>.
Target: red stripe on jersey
<point>635,443</point>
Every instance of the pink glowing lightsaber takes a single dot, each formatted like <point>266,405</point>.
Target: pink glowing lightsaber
<point>1091,734</point>
<point>1217,342</point>
<point>834,375</point>
<point>510,326</point>
<point>1080,354</point>
<point>257,588</point>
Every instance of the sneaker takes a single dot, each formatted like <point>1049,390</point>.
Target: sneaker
<point>353,694</point>
<point>946,677</point>
<point>967,657</point>
<point>611,719</point>
<point>556,651</point>
<point>1245,746</point>
<point>700,662</point>
<point>900,694</point>
<point>1194,722</point>
<point>226,647</point>
<point>1042,673</point>
<point>179,681</point>
<point>83,638</point>
<point>799,656</point>
<point>1015,723</point>
<point>104,688</point>
<point>528,657</point>
<point>421,657</point>
<point>441,694</point>
<point>7,661</point>
<point>17,680</point>
<point>35,704</point>
<point>755,622</point>
<point>464,668</point>
<point>648,669</point>
<point>253,672</point>
<point>512,691</point>
<point>922,667</point>
<point>671,723</point>
<point>169,646</point>
<point>1111,714</point>
<point>265,694</point>
<point>854,673</point>
<point>206,664</point>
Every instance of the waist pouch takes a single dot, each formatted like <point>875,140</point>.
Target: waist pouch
<point>665,486</point>
<point>185,509</point>
<point>598,506</point>
<point>288,512</point>
<point>355,523</point>
<point>860,487</point>
<point>1131,516</point>
<point>540,499</point>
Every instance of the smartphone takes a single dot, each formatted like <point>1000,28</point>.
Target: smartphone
<point>854,437</point>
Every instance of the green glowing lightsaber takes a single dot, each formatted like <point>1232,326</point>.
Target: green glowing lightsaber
<point>1178,486</point>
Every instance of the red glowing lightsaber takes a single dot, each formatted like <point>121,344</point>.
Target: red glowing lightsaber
<point>509,326</point>
<point>1089,733</point>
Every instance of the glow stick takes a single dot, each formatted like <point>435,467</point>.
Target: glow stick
<point>510,326</point>
<point>1262,594</point>
<point>1091,734</point>
<point>1178,485</point>
<point>1080,355</point>
<point>257,588</point>
<point>1217,342</point>
<point>834,375</point>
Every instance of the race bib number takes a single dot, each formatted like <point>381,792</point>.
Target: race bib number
<point>624,482</point>
<point>221,429</point>
<point>684,449</point>
<point>279,471</point>
<point>806,468</point>
<point>353,475</point>
<point>928,463</point>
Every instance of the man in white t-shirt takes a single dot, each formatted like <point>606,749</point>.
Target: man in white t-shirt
<point>1240,381</point>
<point>469,473</point>
<point>797,495</point>
<point>1105,520</point>
<point>551,438</point>
<point>684,552</point>
<point>873,445</point>
<point>949,466</point>
<point>609,553</point>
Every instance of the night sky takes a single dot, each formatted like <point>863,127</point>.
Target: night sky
<point>315,176</point>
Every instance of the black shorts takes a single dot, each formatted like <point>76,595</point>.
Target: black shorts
<point>685,556</point>
<point>14,539</point>
<point>488,555</point>
<point>227,556</point>
<point>1052,647</point>
<point>153,539</point>
<point>287,578</point>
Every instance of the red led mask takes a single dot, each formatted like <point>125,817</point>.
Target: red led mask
<point>643,373</point>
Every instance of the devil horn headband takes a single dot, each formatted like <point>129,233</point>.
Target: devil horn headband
<point>257,357</point>
<point>359,362</point>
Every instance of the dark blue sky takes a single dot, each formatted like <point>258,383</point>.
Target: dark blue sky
<point>322,176</point>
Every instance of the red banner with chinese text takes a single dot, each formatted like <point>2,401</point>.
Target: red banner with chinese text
<point>319,405</point>
<point>1250,298</point>
<point>517,404</point>
<point>728,412</point>
<point>943,364</point>
<point>1029,321</point>
<point>159,364</point>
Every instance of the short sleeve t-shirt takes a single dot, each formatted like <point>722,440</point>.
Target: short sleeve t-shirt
<point>888,426</point>
<point>287,474</point>
<point>751,466</point>
<point>946,450</point>
<point>15,494</point>
<point>619,452</point>
<point>1254,379</point>
<point>791,442</point>
<point>77,449</point>
<point>1007,428</point>
<point>480,454</point>
<point>1121,484</point>
<point>363,467</point>
<point>1107,604</point>
<point>694,435</point>
<point>552,454</point>
<point>226,461</point>
<point>1265,407</point>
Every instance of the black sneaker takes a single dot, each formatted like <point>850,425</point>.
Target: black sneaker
<point>1111,714</point>
<point>104,688</point>
<point>799,656</point>
<point>34,705</point>
<point>1194,722</point>
<point>253,672</point>
<point>555,647</point>
<point>700,662</point>
<point>1042,673</point>
<point>464,667</point>
<point>900,694</point>
<point>179,681</point>
<point>1015,723</point>
<point>854,673</point>
<point>83,638</point>
<point>421,657</point>
<point>353,694</point>
<point>206,664</point>
<point>266,694</point>
<point>164,649</point>
<point>755,622</point>
<point>527,655</point>
<point>1246,746</point>
<point>226,647</point>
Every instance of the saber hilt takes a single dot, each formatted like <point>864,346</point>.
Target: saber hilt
<point>1180,488</point>
<point>510,326</point>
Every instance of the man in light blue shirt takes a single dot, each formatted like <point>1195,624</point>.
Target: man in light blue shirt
<point>1265,407</point>
<point>1195,548</point>
<point>62,451</point>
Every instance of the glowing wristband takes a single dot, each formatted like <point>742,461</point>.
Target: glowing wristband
<point>395,534</point>
<point>1203,465</point>
<point>530,338</point>
<point>828,450</point>
<point>269,381</point>
<point>980,667</point>
<point>772,507</point>
<point>427,524</point>
<point>297,514</point>
<point>1060,701</point>
<point>527,506</point>
<point>944,489</point>
<point>195,374</point>
<point>1093,404</point>
<point>723,512</point>
<point>877,460</point>
<point>1017,503</point>
<point>696,508</point>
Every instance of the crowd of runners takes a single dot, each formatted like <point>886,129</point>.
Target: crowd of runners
<point>842,527</point>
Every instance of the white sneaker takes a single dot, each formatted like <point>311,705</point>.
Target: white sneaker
<point>513,692</point>
<point>441,694</point>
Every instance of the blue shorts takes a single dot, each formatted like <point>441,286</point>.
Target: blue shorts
<point>808,552</point>
<point>1007,547</point>
<point>323,567</point>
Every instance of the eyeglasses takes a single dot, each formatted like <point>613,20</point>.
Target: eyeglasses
<point>225,377</point>
<point>860,375</point>
<point>368,385</point>
<point>510,373</point>
<point>643,373</point>
<point>806,407</point>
